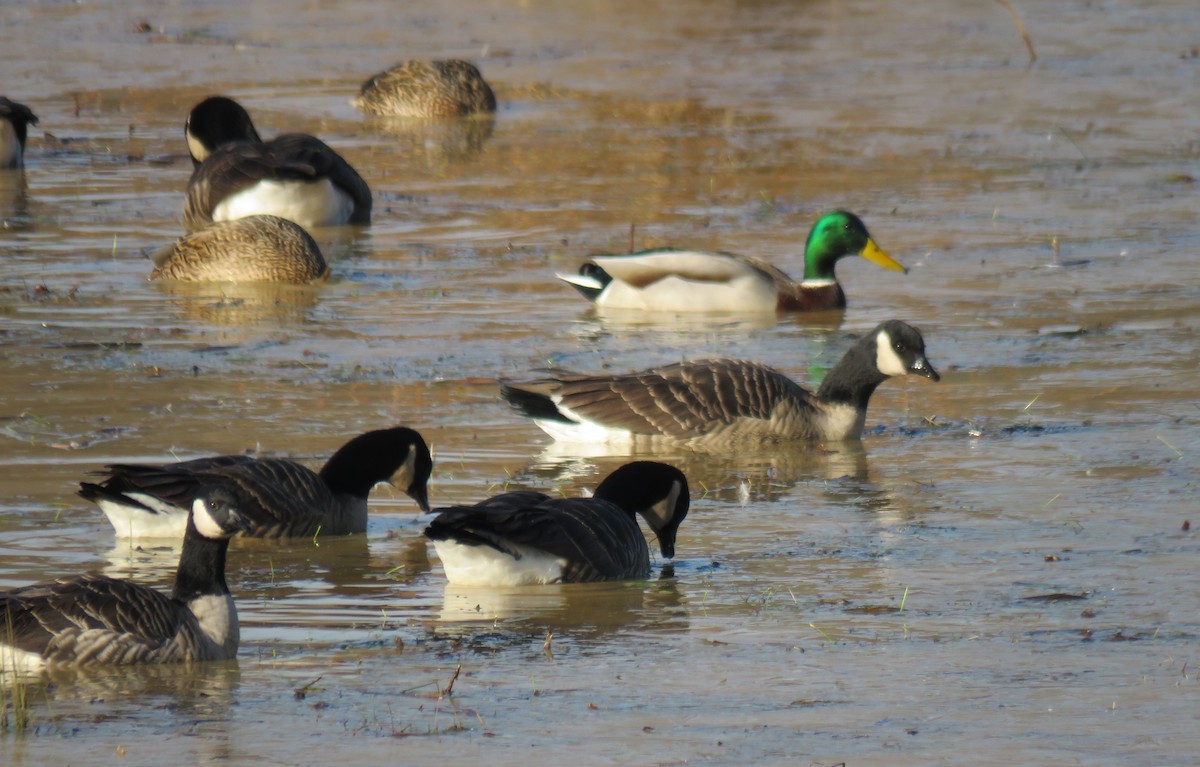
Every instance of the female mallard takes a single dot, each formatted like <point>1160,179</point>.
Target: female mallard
<point>280,498</point>
<point>251,249</point>
<point>427,89</point>
<point>672,280</point>
<point>721,402</point>
<point>15,120</point>
<point>79,620</point>
<point>237,174</point>
<point>527,537</point>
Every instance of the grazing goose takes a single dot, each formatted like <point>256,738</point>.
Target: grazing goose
<point>280,498</point>
<point>721,402</point>
<point>427,89</point>
<point>672,280</point>
<point>78,620</point>
<point>15,120</point>
<point>294,176</point>
<point>526,537</point>
<point>251,249</point>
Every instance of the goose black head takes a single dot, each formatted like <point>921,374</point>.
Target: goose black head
<point>656,491</point>
<point>215,513</point>
<point>900,350</point>
<point>214,122</point>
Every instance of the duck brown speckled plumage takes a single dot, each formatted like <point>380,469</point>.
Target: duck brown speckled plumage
<point>427,89</point>
<point>252,249</point>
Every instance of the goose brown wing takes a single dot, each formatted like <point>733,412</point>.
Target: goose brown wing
<point>52,613</point>
<point>682,399</point>
<point>277,496</point>
<point>281,497</point>
<point>175,483</point>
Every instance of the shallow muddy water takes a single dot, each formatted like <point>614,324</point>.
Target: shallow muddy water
<point>999,574</point>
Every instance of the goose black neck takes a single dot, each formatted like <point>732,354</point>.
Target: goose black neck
<point>353,474</point>
<point>854,379</point>
<point>627,498</point>
<point>201,566</point>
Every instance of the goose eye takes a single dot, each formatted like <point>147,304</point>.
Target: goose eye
<point>898,346</point>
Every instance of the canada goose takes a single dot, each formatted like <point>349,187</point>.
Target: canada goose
<point>251,249</point>
<point>427,89</point>
<point>280,498</point>
<point>83,619</point>
<point>527,537</point>
<point>237,174</point>
<point>721,402</point>
<point>15,120</point>
<point>673,280</point>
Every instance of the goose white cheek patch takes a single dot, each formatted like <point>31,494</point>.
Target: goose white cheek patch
<point>206,525</point>
<point>886,359</point>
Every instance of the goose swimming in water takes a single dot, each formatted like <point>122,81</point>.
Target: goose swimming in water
<point>528,537</point>
<point>237,174</point>
<point>281,498</point>
<point>713,404</point>
<point>79,620</point>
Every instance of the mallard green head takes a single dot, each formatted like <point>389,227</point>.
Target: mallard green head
<point>838,234</point>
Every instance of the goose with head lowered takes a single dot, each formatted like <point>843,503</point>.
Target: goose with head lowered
<point>237,174</point>
<point>525,538</point>
<point>280,498</point>
<point>15,119</point>
<point>714,404</point>
<point>79,620</point>
<point>675,280</point>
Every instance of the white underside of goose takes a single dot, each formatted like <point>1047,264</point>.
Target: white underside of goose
<point>134,522</point>
<point>584,432</point>
<point>485,566</point>
<point>19,662</point>
<point>308,203</point>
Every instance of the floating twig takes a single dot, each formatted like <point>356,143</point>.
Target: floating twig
<point>450,687</point>
<point>301,692</point>
<point>1020,28</point>
<point>1178,452</point>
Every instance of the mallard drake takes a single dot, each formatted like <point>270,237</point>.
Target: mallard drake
<point>237,174</point>
<point>15,120</point>
<point>427,89</point>
<point>79,620</point>
<point>528,537</point>
<point>721,402</point>
<point>673,280</point>
<point>280,498</point>
<point>251,249</point>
